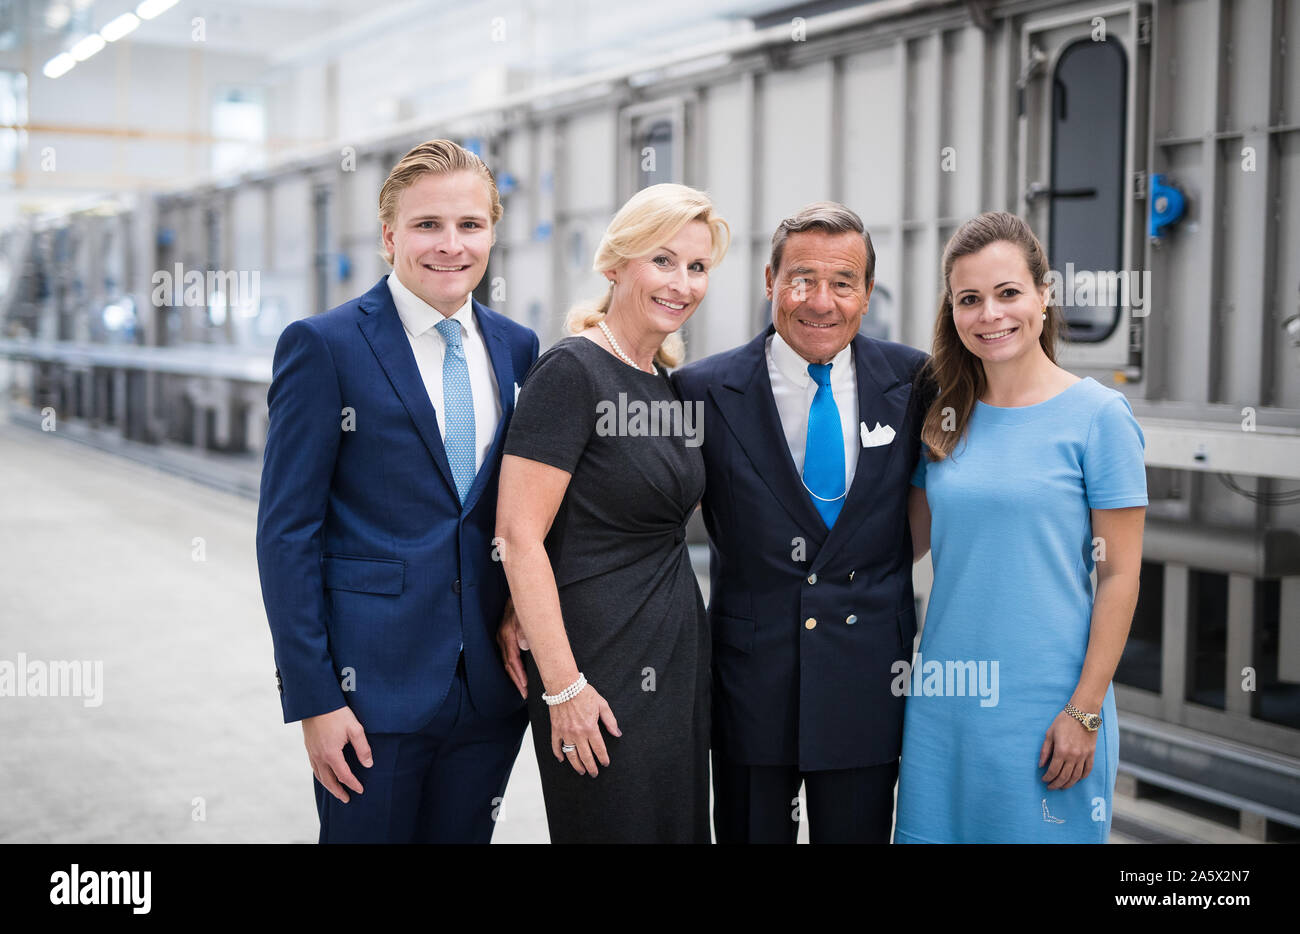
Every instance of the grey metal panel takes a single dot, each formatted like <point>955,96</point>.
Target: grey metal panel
<point>587,172</point>
<point>1285,285</point>
<point>526,268</point>
<point>873,159</point>
<point>1189,34</point>
<point>1248,33</point>
<point>1240,643</point>
<point>1245,261</point>
<point>921,132</point>
<point>1173,641</point>
<point>966,109</point>
<point>1288,646</point>
<point>794,135</point>
<point>1001,122</point>
<point>1289,107</point>
<point>1180,318</point>
<point>247,223</point>
<point>584,203</point>
<point>920,287</point>
<point>546,201</point>
<point>735,286</point>
<point>289,278</point>
<point>887,306</point>
<point>518,153</point>
<point>358,221</point>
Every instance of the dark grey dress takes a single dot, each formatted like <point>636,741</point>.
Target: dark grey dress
<point>631,605</point>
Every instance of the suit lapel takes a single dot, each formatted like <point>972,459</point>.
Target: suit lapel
<point>746,402</point>
<point>499,353</point>
<point>882,398</point>
<point>383,330</point>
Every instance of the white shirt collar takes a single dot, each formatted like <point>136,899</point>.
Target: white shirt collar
<point>795,368</point>
<point>418,316</point>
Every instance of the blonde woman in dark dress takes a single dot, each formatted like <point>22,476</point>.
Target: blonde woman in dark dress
<point>602,470</point>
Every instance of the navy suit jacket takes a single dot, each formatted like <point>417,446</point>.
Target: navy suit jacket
<point>373,574</point>
<point>784,693</point>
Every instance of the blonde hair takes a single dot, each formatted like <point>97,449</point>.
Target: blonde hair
<point>651,218</point>
<point>434,157</point>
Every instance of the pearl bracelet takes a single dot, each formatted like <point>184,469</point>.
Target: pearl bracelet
<point>568,693</point>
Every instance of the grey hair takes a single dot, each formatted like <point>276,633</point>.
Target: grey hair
<point>830,216</point>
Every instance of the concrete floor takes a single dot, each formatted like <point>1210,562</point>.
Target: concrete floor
<point>98,562</point>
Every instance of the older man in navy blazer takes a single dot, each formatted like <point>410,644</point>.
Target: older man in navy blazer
<point>375,525</point>
<point>812,433</point>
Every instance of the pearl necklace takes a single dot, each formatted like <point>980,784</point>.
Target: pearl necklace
<point>604,328</point>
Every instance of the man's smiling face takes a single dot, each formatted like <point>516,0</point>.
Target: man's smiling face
<point>820,292</point>
<point>442,237</point>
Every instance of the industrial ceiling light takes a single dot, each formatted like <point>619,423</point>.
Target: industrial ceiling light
<point>151,8</point>
<point>59,65</point>
<point>88,46</point>
<point>115,29</point>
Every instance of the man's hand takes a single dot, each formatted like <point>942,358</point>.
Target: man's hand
<point>510,637</point>
<point>325,737</point>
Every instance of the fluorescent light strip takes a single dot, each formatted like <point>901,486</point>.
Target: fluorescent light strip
<point>151,8</point>
<point>59,65</point>
<point>87,46</point>
<point>113,30</point>
<point>117,28</point>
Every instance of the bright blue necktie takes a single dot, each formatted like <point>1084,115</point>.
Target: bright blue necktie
<point>823,457</point>
<point>457,408</point>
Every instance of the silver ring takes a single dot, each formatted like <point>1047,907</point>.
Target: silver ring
<point>566,749</point>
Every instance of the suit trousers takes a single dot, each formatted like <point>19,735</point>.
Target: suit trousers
<point>441,784</point>
<point>759,803</point>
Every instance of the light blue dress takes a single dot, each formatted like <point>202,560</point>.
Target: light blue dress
<point>1008,621</point>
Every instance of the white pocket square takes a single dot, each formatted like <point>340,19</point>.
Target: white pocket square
<point>516,393</point>
<point>875,437</point>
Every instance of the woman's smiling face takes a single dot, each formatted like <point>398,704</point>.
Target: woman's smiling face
<point>997,308</point>
<point>662,289</point>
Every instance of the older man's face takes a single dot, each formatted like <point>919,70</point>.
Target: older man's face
<point>820,292</point>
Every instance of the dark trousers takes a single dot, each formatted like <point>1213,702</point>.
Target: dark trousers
<point>442,784</point>
<point>759,803</point>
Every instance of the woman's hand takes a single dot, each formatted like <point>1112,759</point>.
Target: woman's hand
<point>1070,748</point>
<point>576,722</point>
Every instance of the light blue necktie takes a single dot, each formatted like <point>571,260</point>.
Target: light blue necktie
<point>457,408</point>
<point>823,457</point>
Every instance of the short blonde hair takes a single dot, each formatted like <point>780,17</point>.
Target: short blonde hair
<point>434,157</point>
<point>651,218</point>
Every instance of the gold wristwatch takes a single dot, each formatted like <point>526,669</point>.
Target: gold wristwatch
<point>1091,721</point>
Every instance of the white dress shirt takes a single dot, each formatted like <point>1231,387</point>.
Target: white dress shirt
<point>793,388</point>
<point>418,319</point>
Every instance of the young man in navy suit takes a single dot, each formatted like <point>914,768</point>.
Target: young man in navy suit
<point>375,525</point>
<point>813,434</point>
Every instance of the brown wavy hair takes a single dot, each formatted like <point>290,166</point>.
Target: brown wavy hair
<point>954,377</point>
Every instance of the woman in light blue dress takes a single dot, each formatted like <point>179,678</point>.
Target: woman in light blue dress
<point>1033,478</point>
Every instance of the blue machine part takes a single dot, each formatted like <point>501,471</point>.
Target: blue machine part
<point>1167,206</point>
